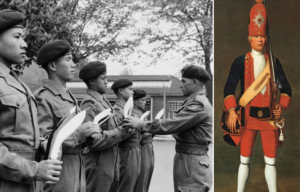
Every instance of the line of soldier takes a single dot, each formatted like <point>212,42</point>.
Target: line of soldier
<point>120,158</point>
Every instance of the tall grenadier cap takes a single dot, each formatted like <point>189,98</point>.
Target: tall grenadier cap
<point>92,70</point>
<point>195,72</point>
<point>53,50</point>
<point>121,83</point>
<point>10,19</point>
<point>258,19</point>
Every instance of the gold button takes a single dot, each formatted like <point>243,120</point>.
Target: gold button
<point>263,105</point>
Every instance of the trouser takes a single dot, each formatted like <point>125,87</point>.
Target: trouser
<point>192,170</point>
<point>147,167</point>
<point>130,165</point>
<point>102,170</point>
<point>269,142</point>
<point>72,177</point>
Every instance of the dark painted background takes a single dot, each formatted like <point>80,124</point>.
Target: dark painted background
<point>230,39</point>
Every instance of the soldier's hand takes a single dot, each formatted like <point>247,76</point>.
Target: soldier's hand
<point>277,112</point>
<point>233,117</point>
<point>49,170</point>
<point>132,122</point>
<point>89,128</point>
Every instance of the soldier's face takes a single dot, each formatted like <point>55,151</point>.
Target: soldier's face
<point>126,92</point>
<point>65,67</point>
<point>101,83</point>
<point>187,86</point>
<point>140,103</point>
<point>12,46</point>
<point>258,43</point>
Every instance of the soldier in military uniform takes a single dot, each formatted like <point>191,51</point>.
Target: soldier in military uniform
<point>248,69</point>
<point>54,103</point>
<point>102,155</point>
<point>19,132</point>
<point>192,129</point>
<point>147,159</point>
<point>129,149</point>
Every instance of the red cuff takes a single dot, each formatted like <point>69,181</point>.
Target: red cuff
<point>285,101</point>
<point>230,102</point>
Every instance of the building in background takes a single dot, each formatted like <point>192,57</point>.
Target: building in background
<point>159,88</point>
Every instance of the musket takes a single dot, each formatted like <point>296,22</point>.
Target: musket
<point>276,84</point>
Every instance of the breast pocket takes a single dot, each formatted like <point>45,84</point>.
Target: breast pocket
<point>14,108</point>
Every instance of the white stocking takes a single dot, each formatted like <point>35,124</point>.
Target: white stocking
<point>270,174</point>
<point>244,171</point>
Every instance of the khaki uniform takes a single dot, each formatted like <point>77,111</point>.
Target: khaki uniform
<point>147,157</point>
<point>192,129</point>
<point>130,155</point>
<point>102,155</point>
<point>19,134</point>
<point>54,102</point>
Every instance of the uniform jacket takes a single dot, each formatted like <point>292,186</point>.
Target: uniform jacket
<point>192,123</point>
<point>132,138</point>
<point>102,155</point>
<point>145,137</point>
<point>54,102</point>
<point>19,134</point>
<point>242,70</point>
<point>191,126</point>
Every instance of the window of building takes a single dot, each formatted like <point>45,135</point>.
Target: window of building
<point>173,107</point>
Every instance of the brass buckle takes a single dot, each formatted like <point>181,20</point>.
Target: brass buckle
<point>260,113</point>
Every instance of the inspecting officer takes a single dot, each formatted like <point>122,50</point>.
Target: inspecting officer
<point>192,129</point>
<point>54,103</point>
<point>19,131</point>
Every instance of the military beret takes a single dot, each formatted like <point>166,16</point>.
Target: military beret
<point>10,19</point>
<point>92,69</point>
<point>195,72</point>
<point>121,83</point>
<point>138,93</point>
<point>53,50</point>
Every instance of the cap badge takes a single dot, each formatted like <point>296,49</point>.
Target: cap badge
<point>258,20</point>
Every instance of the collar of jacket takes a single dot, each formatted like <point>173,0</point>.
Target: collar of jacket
<point>58,89</point>
<point>10,80</point>
<point>137,111</point>
<point>121,103</point>
<point>95,94</point>
<point>193,96</point>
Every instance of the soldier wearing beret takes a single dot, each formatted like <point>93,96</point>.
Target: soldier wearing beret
<point>102,176</point>
<point>19,131</point>
<point>146,139</point>
<point>248,69</point>
<point>54,103</point>
<point>192,130</point>
<point>129,149</point>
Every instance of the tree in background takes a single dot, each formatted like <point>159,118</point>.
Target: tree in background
<point>91,26</point>
<point>181,27</point>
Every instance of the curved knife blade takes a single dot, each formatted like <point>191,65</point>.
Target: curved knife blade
<point>102,117</point>
<point>145,115</point>
<point>128,107</point>
<point>160,113</point>
<point>99,119</point>
<point>62,133</point>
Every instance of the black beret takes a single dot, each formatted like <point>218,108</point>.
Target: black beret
<point>10,19</point>
<point>138,93</point>
<point>92,69</point>
<point>195,72</point>
<point>53,50</point>
<point>121,83</point>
